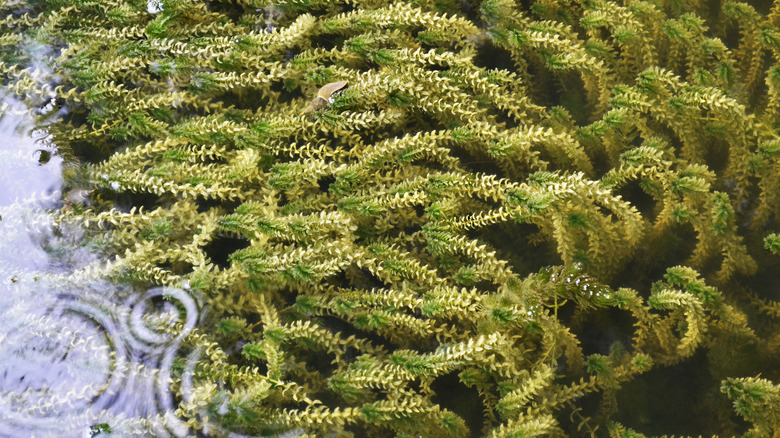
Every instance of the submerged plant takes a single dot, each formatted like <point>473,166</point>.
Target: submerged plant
<point>512,211</point>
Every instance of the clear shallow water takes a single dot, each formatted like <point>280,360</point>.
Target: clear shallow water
<point>79,355</point>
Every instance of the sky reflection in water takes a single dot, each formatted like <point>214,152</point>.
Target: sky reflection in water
<point>77,353</point>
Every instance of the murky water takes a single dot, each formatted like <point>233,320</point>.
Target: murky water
<point>79,355</point>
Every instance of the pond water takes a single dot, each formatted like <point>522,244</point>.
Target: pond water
<point>77,352</point>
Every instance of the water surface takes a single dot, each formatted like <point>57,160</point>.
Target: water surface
<point>79,355</point>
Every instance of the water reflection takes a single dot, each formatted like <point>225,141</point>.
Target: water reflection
<point>79,355</point>
<point>29,167</point>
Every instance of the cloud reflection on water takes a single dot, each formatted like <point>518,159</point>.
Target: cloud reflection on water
<point>77,352</point>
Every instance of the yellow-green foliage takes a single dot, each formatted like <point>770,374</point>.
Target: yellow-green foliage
<point>757,400</point>
<point>514,209</point>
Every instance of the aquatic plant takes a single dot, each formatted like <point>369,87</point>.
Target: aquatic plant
<point>497,216</point>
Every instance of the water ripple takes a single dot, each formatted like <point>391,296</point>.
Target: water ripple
<point>78,356</point>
